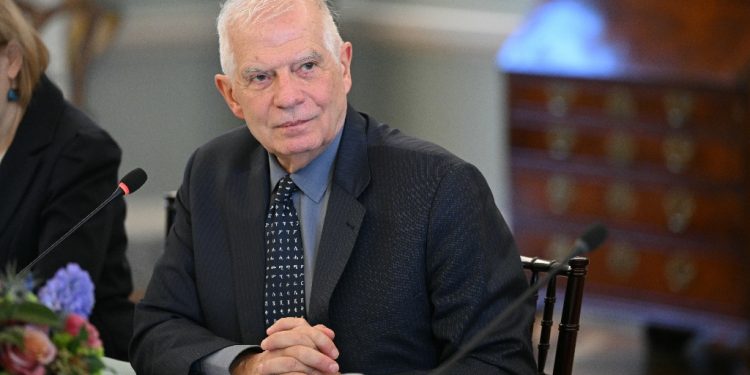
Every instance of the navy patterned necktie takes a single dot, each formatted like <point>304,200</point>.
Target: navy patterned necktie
<point>285,264</point>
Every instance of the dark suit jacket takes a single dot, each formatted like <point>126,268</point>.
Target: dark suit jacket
<point>59,167</point>
<point>414,259</point>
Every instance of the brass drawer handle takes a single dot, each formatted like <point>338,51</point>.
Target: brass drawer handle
<point>679,206</point>
<point>680,273</point>
<point>560,142</point>
<point>560,194</point>
<point>559,98</point>
<point>678,151</point>
<point>678,106</point>
<point>558,246</point>
<point>622,260</point>
<point>621,200</point>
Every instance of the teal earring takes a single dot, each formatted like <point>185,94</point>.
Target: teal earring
<point>13,95</point>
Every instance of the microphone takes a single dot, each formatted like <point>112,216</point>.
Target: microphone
<point>590,240</point>
<point>128,185</point>
<point>132,181</point>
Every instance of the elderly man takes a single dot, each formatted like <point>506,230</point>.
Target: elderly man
<point>322,241</point>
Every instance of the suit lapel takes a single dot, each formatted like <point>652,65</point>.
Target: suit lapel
<point>246,204</point>
<point>344,215</point>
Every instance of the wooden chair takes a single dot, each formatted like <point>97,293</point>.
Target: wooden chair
<point>575,272</point>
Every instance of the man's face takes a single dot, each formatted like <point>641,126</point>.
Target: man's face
<point>290,90</point>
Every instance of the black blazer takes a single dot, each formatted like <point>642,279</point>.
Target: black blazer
<point>60,166</point>
<point>414,259</point>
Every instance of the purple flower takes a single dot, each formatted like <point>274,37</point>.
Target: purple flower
<point>70,291</point>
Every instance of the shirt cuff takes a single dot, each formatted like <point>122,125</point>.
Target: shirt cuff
<point>218,363</point>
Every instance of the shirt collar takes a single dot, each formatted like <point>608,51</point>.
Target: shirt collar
<point>313,178</point>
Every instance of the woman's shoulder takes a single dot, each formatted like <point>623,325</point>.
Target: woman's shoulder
<point>77,132</point>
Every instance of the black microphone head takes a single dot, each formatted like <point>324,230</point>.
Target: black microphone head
<point>133,180</point>
<point>594,236</point>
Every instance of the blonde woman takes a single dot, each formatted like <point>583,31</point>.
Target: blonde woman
<point>56,165</point>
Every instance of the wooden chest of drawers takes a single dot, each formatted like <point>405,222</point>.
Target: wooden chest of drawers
<point>638,126</point>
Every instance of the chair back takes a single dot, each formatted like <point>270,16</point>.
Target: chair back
<point>575,272</point>
<point>169,201</point>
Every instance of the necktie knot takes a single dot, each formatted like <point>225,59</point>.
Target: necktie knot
<point>285,188</point>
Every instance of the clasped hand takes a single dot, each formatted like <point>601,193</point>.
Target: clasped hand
<point>293,347</point>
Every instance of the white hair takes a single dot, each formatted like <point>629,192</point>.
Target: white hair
<point>247,12</point>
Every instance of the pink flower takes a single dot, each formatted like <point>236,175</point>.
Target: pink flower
<point>17,363</point>
<point>73,324</point>
<point>38,351</point>
<point>38,345</point>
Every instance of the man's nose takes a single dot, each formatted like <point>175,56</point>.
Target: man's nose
<point>288,91</point>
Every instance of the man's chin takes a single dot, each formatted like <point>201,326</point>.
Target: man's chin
<point>299,154</point>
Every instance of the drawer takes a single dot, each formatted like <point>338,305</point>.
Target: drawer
<point>635,104</point>
<point>711,158</point>
<point>694,275</point>
<point>640,203</point>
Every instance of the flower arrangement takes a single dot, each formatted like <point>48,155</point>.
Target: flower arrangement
<point>49,332</point>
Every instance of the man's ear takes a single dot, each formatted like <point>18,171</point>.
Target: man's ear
<point>345,59</point>
<point>15,59</point>
<point>224,85</point>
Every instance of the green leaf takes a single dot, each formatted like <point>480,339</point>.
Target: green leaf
<point>95,365</point>
<point>12,335</point>
<point>29,312</point>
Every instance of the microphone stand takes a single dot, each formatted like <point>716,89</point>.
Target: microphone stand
<point>129,184</point>
<point>41,256</point>
<point>471,345</point>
